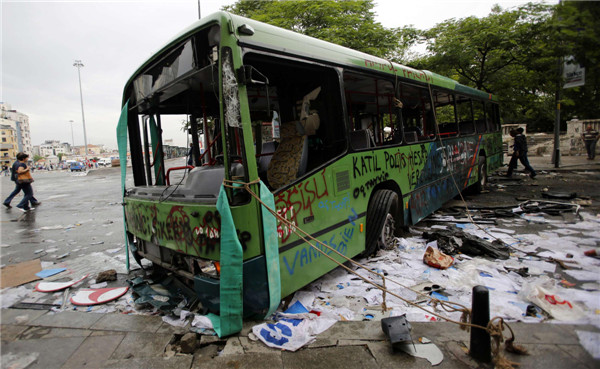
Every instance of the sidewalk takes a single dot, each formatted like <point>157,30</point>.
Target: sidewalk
<point>567,163</point>
<point>87,340</point>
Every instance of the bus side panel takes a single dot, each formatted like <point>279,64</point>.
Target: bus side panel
<point>449,168</point>
<point>493,147</point>
<point>322,206</point>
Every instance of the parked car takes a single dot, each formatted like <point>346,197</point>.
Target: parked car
<point>77,166</point>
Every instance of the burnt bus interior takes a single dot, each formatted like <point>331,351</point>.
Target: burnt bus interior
<point>279,103</point>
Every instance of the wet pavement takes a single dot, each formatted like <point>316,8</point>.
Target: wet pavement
<point>81,216</point>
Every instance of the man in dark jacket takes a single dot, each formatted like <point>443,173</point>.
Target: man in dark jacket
<point>519,153</point>
<point>18,186</point>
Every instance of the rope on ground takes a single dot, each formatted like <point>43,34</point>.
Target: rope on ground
<point>465,320</point>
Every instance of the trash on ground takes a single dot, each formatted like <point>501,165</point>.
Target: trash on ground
<point>427,351</point>
<point>17,274</point>
<point>165,296</point>
<point>90,296</point>
<point>397,329</point>
<point>181,320</point>
<point>452,242</point>
<point>437,259</point>
<point>99,285</point>
<point>56,286</point>
<point>107,275</point>
<point>550,298</point>
<point>294,328</point>
<point>559,195</point>
<point>591,342</point>
<point>49,272</point>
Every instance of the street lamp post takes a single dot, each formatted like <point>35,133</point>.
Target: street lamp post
<point>78,64</point>
<point>72,135</point>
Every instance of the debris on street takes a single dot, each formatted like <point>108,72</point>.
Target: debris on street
<point>49,272</point>
<point>17,274</point>
<point>57,286</point>
<point>107,275</point>
<point>95,296</point>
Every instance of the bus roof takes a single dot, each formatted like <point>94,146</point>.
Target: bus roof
<point>288,42</point>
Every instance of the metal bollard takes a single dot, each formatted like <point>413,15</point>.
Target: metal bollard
<point>480,345</point>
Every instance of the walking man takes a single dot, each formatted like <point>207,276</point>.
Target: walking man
<point>590,137</point>
<point>519,153</point>
<point>21,157</point>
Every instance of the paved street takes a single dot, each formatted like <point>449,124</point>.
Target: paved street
<point>80,219</point>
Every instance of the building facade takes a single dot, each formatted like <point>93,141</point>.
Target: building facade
<point>8,144</point>
<point>52,147</point>
<point>20,123</point>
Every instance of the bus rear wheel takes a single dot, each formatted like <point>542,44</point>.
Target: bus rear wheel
<point>382,214</point>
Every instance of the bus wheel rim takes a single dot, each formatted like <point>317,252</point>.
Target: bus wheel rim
<point>387,231</point>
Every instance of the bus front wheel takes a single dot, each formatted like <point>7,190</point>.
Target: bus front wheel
<point>381,221</point>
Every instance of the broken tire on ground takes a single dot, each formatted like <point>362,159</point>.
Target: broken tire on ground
<point>382,216</point>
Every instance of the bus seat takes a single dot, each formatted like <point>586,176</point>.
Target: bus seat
<point>263,161</point>
<point>361,139</point>
<point>290,158</point>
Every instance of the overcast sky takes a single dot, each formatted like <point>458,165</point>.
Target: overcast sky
<point>42,39</point>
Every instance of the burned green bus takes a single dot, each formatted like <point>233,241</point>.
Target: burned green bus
<point>350,146</point>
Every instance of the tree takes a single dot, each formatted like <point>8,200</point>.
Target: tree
<point>347,23</point>
<point>509,53</point>
<point>60,156</point>
<point>578,32</point>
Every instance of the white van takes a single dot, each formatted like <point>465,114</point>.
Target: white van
<point>104,162</point>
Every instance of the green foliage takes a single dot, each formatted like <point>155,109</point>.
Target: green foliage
<point>347,23</point>
<point>60,156</point>
<point>514,53</point>
<point>579,35</point>
<point>36,158</point>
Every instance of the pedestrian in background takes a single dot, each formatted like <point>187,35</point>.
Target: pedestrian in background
<point>590,137</point>
<point>21,163</point>
<point>519,153</point>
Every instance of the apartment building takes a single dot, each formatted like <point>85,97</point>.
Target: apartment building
<point>8,144</point>
<point>20,123</point>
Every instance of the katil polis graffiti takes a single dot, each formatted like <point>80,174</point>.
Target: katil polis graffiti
<point>421,170</point>
<point>190,233</point>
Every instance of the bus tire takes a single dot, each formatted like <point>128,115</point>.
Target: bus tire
<point>482,175</point>
<point>381,221</point>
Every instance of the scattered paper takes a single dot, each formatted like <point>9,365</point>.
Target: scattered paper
<point>591,342</point>
<point>427,351</point>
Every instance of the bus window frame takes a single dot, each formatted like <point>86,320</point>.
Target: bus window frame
<point>482,102</point>
<point>396,82</point>
<point>307,63</point>
<point>453,104</point>
<point>472,122</point>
